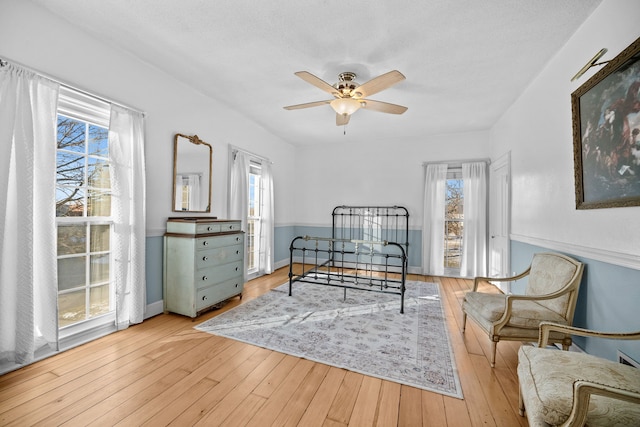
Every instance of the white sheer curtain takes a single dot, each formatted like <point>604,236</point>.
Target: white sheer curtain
<point>474,236</point>
<point>126,150</point>
<point>238,193</point>
<point>194,192</point>
<point>266,226</point>
<point>28,268</point>
<point>433,221</point>
<point>178,193</point>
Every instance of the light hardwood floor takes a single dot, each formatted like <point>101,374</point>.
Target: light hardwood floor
<point>164,372</point>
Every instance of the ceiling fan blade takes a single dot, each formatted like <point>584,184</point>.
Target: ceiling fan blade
<point>342,119</point>
<point>383,107</point>
<point>317,82</point>
<point>377,84</point>
<point>307,105</point>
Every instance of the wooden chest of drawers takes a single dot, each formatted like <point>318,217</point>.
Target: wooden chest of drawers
<point>203,263</point>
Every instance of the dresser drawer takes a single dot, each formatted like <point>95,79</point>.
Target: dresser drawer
<point>211,275</point>
<point>210,242</point>
<point>220,292</point>
<point>226,227</point>
<point>216,256</point>
<point>208,227</point>
<point>197,226</point>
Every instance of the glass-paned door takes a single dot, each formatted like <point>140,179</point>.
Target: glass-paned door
<point>253,219</point>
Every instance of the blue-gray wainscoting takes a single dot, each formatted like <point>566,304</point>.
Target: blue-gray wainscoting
<point>609,300</point>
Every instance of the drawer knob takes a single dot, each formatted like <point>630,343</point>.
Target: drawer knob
<point>236,268</point>
<point>237,239</point>
<point>209,228</point>
<point>204,297</point>
<point>205,278</point>
<point>237,252</point>
<point>204,258</point>
<point>205,243</point>
<point>231,227</point>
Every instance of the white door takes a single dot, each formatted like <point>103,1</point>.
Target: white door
<point>500,217</point>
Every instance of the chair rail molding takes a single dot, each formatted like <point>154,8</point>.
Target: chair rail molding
<point>611,257</point>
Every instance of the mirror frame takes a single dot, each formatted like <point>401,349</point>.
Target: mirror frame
<point>196,141</point>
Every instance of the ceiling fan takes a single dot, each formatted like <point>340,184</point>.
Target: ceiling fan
<point>349,95</point>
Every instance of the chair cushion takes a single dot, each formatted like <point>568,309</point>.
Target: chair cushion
<point>525,314</point>
<point>550,273</point>
<point>546,381</point>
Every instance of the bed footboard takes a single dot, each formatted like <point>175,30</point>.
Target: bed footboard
<point>377,266</point>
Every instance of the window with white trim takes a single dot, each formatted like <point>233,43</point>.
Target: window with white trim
<point>453,221</point>
<point>83,211</point>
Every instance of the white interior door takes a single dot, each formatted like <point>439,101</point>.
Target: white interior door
<point>500,217</point>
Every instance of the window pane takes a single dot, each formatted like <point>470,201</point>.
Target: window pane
<point>99,269</point>
<point>71,272</point>
<point>99,300</point>
<point>454,199</point>
<point>71,308</point>
<point>69,202</point>
<point>99,203</point>
<point>98,141</point>
<point>100,235</point>
<point>72,239</point>
<point>71,134</point>
<point>251,241</point>
<point>98,173</point>
<point>69,169</point>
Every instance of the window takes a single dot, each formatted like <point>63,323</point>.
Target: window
<point>83,210</point>
<point>254,219</point>
<point>453,221</point>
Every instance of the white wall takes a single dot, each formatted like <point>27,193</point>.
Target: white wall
<point>374,173</point>
<point>40,40</point>
<point>537,130</point>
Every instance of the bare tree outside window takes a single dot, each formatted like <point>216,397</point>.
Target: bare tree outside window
<point>454,223</point>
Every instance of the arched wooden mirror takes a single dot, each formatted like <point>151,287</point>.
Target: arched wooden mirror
<point>192,160</point>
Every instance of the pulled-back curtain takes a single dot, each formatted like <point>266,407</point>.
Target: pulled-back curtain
<point>266,219</point>
<point>238,194</point>
<point>474,237</point>
<point>433,219</point>
<point>28,268</point>
<point>128,186</point>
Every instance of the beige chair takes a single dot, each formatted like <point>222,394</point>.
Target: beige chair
<point>551,294</point>
<point>568,388</point>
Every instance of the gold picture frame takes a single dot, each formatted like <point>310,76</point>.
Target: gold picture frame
<point>606,134</point>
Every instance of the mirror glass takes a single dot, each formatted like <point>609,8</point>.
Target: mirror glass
<point>192,159</point>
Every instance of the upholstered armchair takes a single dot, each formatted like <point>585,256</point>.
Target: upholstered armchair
<point>551,294</point>
<point>567,388</point>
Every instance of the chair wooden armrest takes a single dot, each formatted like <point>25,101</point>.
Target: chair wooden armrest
<point>510,299</point>
<point>477,280</point>
<point>547,327</point>
<point>582,392</point>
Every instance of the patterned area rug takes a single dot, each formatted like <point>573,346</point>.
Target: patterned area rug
<point>364,333</point>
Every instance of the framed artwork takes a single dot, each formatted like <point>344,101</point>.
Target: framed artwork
<point>606,134</point>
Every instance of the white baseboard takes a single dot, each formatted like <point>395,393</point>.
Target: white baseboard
<point>154,309</point>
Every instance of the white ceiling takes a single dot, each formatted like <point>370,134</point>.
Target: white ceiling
<point>465,61</point>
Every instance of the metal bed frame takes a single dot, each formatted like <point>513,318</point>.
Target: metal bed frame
<point>368,250</point>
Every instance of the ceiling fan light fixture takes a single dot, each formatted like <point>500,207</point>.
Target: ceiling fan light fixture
<point>346,106</point>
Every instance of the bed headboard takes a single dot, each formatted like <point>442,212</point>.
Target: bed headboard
<point>377,223</point>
